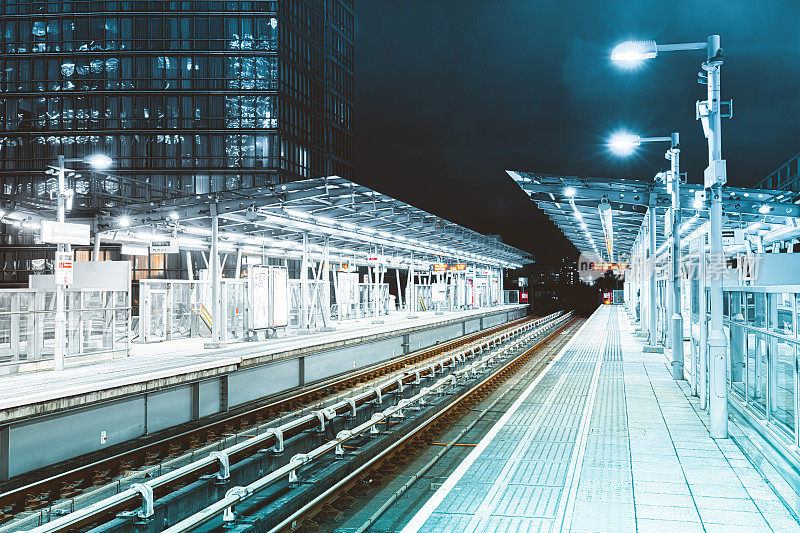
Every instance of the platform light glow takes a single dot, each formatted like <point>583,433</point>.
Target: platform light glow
<point>98,161</point>
<point>764,209</point>
<point>624,143</point>
<point>174,215</point>
<point>634,51</point>
<point>124,222</point>
<point>570,192</point>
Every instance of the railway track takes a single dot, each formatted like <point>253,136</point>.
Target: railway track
<point>327,471</point>
<point>349,492</point>
<point>36,500</point>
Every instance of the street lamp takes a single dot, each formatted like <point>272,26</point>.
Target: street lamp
<point>673,182</point>
<point>715,176</point>
<point>99,161</point>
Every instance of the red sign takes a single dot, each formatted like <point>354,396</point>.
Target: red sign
<point>523,297</point>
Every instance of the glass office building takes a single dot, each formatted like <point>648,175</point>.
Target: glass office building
<point>187,97</point>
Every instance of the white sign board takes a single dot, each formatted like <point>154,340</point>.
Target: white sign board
<point>65,233</point>
<point>132,249</point>
<point>64,272</point>
<point>439,293</point>
<point>168,246</point>
<point>258,282</point>
<point>280,296</point>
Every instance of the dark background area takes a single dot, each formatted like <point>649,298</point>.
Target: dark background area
<point>449,94</point>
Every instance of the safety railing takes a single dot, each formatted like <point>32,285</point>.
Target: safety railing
<point>97,324</point>
<point>761,325</point>
<point>173,309</point>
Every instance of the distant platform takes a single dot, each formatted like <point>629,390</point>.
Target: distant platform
<point>604,440</point>
<point>88,407</point>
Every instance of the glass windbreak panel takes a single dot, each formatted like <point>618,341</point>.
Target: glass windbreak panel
<point>695,296</point>
<point>760,309</point>
<point>737,341</point>
<point>734,306</point>
<point>756,369</point>
<point>784,311</point>
<point>783,385</point>
<point>749,302</point>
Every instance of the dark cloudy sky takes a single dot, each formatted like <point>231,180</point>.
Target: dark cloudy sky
<point>450,93</point>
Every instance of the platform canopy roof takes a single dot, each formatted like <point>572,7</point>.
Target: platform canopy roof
<point>357,222</point>
<point>573,204</point>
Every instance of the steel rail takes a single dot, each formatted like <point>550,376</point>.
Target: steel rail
<point>13,497</point>
<point>131,499</point>
<point>236,496</point>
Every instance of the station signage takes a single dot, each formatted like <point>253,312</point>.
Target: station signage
<point>65,233</point>
<point>376,259</point>
<point>346,267</point>
<point>458,267</point>
<point>64,273</point>
<point>129,249</point>
<point>166,246</point>
<point>523,297</point>
<point>604,267</point>
<point>439,267</point>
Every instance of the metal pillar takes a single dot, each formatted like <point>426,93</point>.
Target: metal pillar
<point>718,408</point>
<point>702,305</point>
<point>303,319</point>
<point>676,322</point>
<point>651,345</point>
<point>216,306</point>
<point>61,311</point>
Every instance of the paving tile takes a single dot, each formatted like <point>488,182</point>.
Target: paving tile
<point>725,504</point>
<point>732,518</point>
<point>665,512</point>
<point>645,525</point>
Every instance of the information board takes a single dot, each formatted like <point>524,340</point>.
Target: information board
<point>63,270</point>
<point>258,283</point>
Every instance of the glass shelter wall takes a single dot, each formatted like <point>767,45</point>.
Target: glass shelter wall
<point>761,326</point>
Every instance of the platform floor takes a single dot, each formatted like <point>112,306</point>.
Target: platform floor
<point>604,441</point>
<point>182,356</point>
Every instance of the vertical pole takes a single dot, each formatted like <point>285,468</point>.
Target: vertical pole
<point>216,305</point>
<point>303,322</point>
<point>677,318</point>
<point>718,408</point>
<point>651,274</point>
<point>702,305</point>
<point>238,263</point>
<point>61,313</point>
<point>189,269</point>
<point>325,277</point>
<point>96,250</point>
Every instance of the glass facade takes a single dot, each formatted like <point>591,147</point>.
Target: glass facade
<point>187,97</point>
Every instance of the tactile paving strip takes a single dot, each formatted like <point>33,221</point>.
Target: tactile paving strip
<point>519,481</point>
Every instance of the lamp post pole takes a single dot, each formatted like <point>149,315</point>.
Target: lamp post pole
<point>61,312</point>
<point>677,318</point>
<point>718,408</point>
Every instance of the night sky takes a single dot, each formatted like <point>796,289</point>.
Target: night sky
<point>449,94</point>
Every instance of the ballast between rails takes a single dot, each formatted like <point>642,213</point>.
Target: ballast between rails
<point>141,496</point>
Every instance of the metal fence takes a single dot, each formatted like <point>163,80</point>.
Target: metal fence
<point>761,327</point>
<point>174,309</point>
<point>97,323</point>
